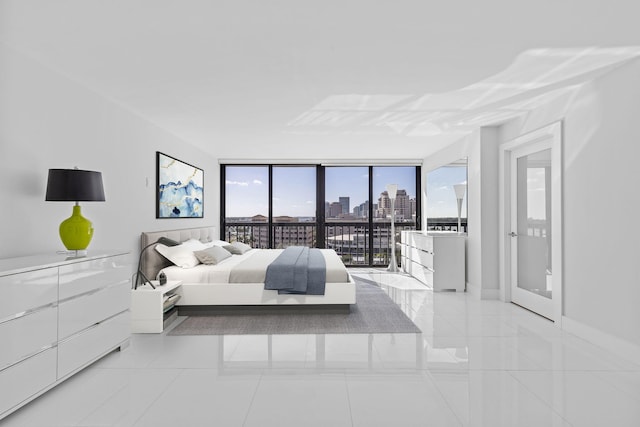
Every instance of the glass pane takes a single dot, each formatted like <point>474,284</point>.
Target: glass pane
<point>347,212</point>
<point>247,205</point>
<point>294,206</point>
<point>534,223</point>
<point>405,201</point>
<point>246,193</point>
<point>402,208</point>
<point>346,194</point>
<point>442,200</point>
<point>294,193</point>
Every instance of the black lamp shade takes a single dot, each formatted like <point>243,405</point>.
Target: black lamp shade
<point>74,185</point>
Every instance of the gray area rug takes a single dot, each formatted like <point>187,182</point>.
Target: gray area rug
<point>374,312</point>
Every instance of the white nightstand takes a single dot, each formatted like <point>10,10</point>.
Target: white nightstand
<point>147,307</point>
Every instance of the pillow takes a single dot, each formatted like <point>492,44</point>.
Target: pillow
<point>194,245</point>
<point>237,248</point>
<point>180,255</point>
<point>216,243</point>
<point>212,255</point>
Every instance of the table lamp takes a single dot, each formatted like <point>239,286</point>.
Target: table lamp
<point>75,185</point>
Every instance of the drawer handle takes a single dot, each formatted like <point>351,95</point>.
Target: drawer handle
<point>28,312</point>
<point>90,327</point>
<point>35,353</point>
<point>95,291</point>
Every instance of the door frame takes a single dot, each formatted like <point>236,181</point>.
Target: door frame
<point>554,133</point>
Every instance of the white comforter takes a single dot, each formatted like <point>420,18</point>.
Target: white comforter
<point>219,273</point>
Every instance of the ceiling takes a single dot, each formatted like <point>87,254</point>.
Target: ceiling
<point>306,77</point>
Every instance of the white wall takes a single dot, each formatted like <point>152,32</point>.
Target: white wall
<point>601,205</point>
<point>48,121</point>
<point>601,280</point>
<point>600,200</point>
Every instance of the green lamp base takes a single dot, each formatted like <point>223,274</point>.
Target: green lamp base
<point>76,231</point>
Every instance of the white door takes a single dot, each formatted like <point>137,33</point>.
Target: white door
<point>531,228</point>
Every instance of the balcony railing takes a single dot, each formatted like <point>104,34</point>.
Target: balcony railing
<point>446,224</point>
<point>350,240</point>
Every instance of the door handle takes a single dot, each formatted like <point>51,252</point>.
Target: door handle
<point>513,234</point>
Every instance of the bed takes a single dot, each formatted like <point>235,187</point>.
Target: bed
<point>208,285</point>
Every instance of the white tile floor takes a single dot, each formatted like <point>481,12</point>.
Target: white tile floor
<point>476,363</point>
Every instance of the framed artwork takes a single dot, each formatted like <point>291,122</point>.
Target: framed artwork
<point>180,188</point>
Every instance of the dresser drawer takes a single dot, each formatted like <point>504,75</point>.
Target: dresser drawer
<point>25,291</point>
<point>422,273</point>
<point>424,257</point>
<point>27,378</point>
<point>87,276</point>
<point>80,312</point>
<point>423,242</point>
<point>84,348</point>
<point>27,335</point>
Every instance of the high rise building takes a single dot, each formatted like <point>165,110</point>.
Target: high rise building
<point>403,206</point>
<point>344,201</point>
<point>335,209</point>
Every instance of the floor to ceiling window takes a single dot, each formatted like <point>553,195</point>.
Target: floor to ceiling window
<point>345,208</point>
<point>347,212</point>
<point>293,220</point>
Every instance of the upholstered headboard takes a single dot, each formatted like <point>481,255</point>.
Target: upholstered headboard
<point>152,262</point>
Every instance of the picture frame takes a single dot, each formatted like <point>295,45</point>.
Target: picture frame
<point>179,188</point>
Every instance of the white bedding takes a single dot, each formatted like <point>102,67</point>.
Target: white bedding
<point>202,273</point>
<point>219,273</point>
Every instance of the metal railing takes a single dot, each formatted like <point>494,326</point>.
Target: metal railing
<point>446,224</point>
<point>350,240</point>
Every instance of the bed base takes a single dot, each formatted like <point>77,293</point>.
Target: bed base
<point>215,310</point>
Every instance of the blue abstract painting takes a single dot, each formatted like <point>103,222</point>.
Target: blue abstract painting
<point>180,188</point>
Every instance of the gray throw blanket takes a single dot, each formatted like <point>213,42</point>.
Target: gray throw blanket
<point>297,270</point>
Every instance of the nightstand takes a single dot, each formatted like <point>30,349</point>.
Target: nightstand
<point>152,310</point>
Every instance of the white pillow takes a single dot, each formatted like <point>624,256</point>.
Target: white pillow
<point>194,245</point>
<point>216,243</point>
<point>180,255</point>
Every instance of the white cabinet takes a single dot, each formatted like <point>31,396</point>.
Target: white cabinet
<point>57,316</point>
<point>148,306</point>
<point>437,260</point>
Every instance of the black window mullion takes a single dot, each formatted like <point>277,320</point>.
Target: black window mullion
<point>320,214</point>
<point>418,198</point>
<point>371,216</point>
<point>270,218</point>
<point>223,211</point>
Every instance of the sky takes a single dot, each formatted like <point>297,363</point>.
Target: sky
<point>441,198</point>
<point>294,188</point>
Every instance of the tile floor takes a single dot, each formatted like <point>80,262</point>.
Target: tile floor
<point>476,363</point>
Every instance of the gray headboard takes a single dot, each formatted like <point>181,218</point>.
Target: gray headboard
<point>152,262</point>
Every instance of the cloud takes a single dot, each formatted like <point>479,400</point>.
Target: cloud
<point>257,182</point>
<point>310,202</point>
<point>240,183</point>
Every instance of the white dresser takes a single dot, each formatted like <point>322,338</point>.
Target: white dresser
<point>58,316</point>
<point>437,260</point>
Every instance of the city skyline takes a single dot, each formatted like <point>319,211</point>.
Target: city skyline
<point>294,189</point>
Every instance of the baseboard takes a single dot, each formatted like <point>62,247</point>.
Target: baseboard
<point>474,291</point>
<point>618,346</point>
<point>479,293</point>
